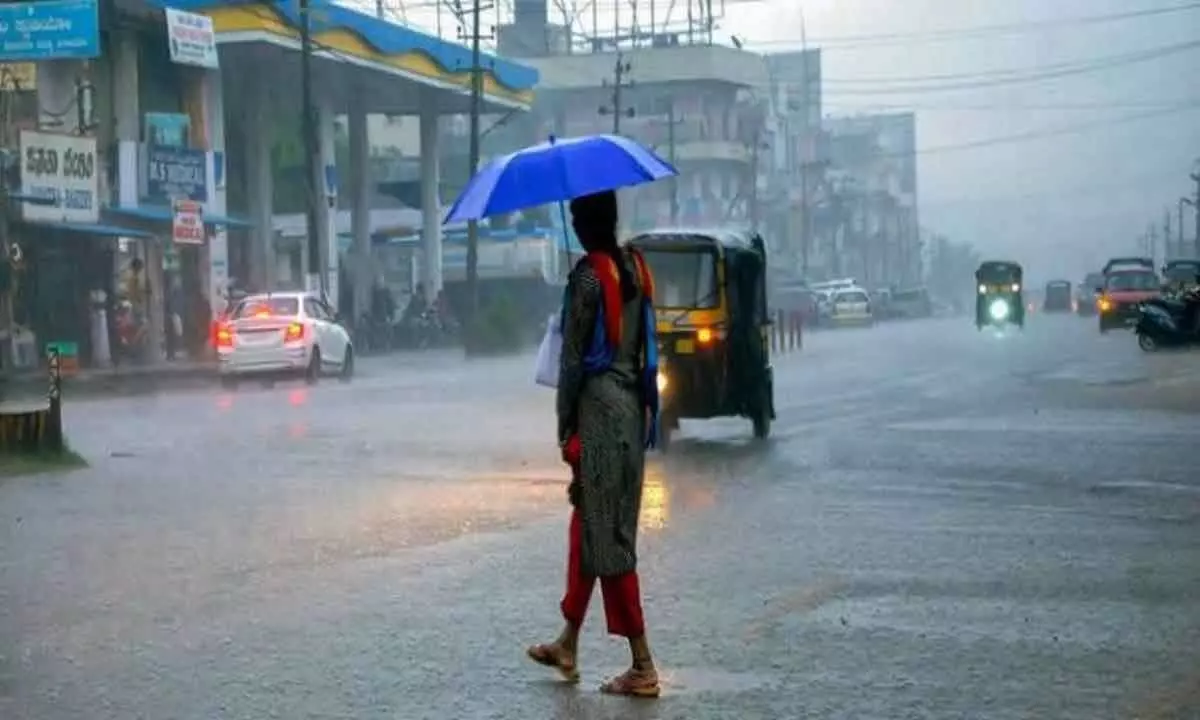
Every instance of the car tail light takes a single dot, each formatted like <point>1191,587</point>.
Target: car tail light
<point>223,336</point>
<point>294,332</point>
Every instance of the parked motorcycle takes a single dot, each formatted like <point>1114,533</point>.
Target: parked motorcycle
<point>1168,322</point>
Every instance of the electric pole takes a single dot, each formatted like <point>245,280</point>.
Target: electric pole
<point>477,8</point>
<point>1184,201</point>
<point>312,149</point>
<point>620,81</point>
<point>1167,254</point>
<point>1196,206</point>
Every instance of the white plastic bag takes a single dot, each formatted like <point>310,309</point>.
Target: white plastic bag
<point>549,353</point>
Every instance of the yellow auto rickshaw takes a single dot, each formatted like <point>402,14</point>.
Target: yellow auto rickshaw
<point>713,326</point>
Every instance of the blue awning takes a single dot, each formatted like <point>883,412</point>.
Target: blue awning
<point>98,229</point>
<point>161,213</point>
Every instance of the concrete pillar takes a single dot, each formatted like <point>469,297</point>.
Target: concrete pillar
<point>327,215</point>
<point>431,209</point>
<point>360,213</point>
<point>218,241</point>
<point>253,95</point>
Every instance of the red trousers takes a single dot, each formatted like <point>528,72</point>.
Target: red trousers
<point>622,594</point>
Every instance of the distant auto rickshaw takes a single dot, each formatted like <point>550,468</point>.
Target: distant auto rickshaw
<point>999,294</point>
<point>713,326</point>
<point>1057,298</point>
<point>1181,274</point>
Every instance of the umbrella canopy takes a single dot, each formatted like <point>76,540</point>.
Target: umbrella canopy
<point>555,171</point>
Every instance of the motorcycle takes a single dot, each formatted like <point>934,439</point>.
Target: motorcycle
<point>1168,322</point>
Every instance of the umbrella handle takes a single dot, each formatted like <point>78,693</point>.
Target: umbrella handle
<point>562,214</point>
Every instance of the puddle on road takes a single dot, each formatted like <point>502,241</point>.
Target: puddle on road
<point>692,681</point>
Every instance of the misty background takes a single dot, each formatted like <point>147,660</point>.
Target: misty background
<point>1048,132</point>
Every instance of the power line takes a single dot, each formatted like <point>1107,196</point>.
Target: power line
<point>1021,74</point>
<point>978,31</point>
<point>985,81</point>
<point>1047,133</point>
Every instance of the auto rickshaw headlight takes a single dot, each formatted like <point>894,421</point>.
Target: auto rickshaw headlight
<point>998,310</point>
<point>662,381</point>
<point>704,336</point>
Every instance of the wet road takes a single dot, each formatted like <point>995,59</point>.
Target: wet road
<point>946,525</point>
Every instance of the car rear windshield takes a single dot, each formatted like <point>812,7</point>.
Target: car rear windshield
<point>267,307</point>
<point>853,296</point>
<point>683,278</point>
<point>1132,281</point>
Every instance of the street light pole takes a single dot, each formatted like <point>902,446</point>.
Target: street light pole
<point>308,130</point>
<point>1196,205</point>
<point>1184,201</point>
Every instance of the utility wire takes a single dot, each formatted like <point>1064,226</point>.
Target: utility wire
<point>1074,129</point>
<point>1004,74</point>
<point>986,80</point>
<point>975,32</point>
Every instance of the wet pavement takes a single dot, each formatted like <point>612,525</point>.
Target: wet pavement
<point>946,524</point>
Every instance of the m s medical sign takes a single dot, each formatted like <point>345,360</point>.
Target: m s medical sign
<point>64,171</point>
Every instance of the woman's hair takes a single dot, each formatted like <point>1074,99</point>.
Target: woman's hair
<point>594,218</point>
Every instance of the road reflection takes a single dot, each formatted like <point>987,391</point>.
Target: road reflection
<point>656,499</point>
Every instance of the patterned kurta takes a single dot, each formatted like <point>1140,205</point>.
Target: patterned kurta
<point>607,412</point>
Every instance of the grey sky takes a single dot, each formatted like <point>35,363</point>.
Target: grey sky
<point>1060,203</point>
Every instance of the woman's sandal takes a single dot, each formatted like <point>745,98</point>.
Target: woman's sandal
<point>634,683</point>
<point>551,656</point>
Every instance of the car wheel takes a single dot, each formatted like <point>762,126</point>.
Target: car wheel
<point>1147,343</point>
<point>1103,329</point>
<point>347,365</point>
<point>312,374</point>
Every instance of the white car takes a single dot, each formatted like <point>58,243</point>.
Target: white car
<point>288,333</point>
<point>851,306</point>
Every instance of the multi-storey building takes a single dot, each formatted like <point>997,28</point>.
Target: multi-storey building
<point>872,181</point>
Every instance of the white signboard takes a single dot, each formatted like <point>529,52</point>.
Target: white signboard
<point>64,171</point>
<point>191,38</point>
<point>187,223</point>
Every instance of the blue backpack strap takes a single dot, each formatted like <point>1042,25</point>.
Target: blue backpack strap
<point>650,370</point>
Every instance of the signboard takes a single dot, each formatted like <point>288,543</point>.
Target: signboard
<point>191,38</point>
<point>49,29</point>
<point>167,129</point>
<point>187,223</point>
<point>18,76</point>
<point>176,174</point>
<point>62,168</point>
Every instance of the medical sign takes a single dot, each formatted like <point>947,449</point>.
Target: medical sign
<point>191,38</point>
<point>64,170</point>
<point>187,223</point>
<point>176,174</point>
<point>49,30</point>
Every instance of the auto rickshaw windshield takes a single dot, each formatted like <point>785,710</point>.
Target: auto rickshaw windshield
<point>684,278</point>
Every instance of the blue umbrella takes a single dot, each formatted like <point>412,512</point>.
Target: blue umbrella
<point>555,171</point>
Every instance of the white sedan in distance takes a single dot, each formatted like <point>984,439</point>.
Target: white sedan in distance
<point>851,306</point>
<point>285,333</point>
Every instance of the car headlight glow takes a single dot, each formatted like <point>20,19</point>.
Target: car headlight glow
<point>998,310</point>
<point>1016,287</point>
<point>982,289</point>
<point>662,381</point>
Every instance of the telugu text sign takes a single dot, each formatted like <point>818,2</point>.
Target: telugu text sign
<point>64,170</point>
<point>187,223</point>
<point>191,38</point>
<point>49,29</point>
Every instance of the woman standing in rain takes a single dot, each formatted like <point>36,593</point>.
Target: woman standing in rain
<point>607,406</point>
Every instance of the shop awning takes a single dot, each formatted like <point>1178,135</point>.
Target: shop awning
<point>98,229</point>
<point>160,213</point>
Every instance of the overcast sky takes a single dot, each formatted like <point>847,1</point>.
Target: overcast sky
<point>1060,202</point>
